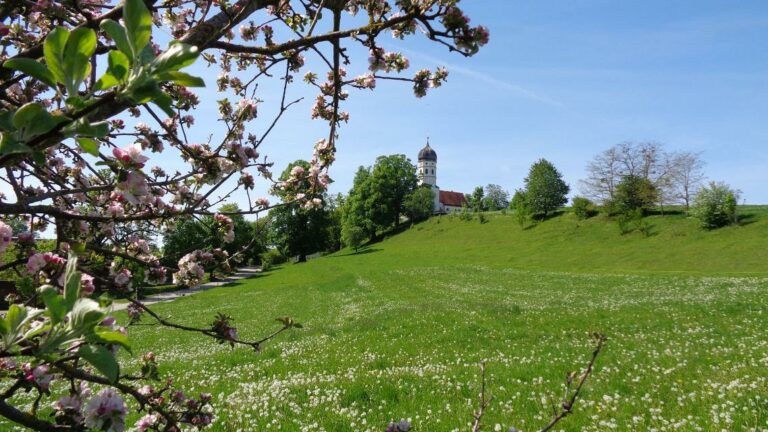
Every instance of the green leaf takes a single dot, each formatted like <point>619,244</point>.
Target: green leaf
<point>102,359</point>
<point>116,73</point>
<point>147,55</point>
<point>39,157</point>
<point>85,314</point>
<point>55,303</point>
<point>119,65</point>
<point>181,78</point>
<point>53,50</point>
<point>8,145</point>
<point>138,25</point>
<point>77,56</point>
<point>27,114</point>
<point>15,316</point>
<point>177,56</point>
<point>107,81</point>
<point>34,119</point>
<point>117,33</point>
<point>109,336</point>
<point>71,282</point>
<point>6,120</point>
<point>150,91</point>
<point>89,145</point>
<point>86,128</point>
<point>33,68</point>
<point>165,103</point>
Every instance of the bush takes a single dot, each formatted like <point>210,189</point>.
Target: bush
<point>271,258</point>
<point>583,208</point>
<point>715,205</point>
<point>465,214</point>
<point>634,193</point>
<point>353,236</point>
<point>629,221</point>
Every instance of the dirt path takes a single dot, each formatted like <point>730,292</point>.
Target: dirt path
<point>243,273</point>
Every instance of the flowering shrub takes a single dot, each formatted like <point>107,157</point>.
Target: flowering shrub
<point>72,74</point>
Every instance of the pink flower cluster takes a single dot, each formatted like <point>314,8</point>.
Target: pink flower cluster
<point>367,81</point>
<point>247,108</point>
<point>387,61</point>
<point>226,226</point>
<point>6,235</point>
<point>130,157</point>
<point>106,412</point>
<point>122,277</point>
<point>40,376</point>
<point>44,261</point>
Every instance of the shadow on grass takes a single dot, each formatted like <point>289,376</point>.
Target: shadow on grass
<point>747,219</point>
<point>671,212</point>
<point>362,251</point>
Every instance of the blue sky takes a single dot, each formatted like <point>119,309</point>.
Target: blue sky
<point>563,81</point>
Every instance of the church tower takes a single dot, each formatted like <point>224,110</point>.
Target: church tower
<point>427,173</point>
<point>427,169</point>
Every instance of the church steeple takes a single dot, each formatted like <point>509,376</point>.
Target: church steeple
<point>427,168</point>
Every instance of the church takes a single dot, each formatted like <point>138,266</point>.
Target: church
<point>445,201</point>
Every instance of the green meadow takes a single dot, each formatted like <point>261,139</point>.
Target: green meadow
<point>398,330</point>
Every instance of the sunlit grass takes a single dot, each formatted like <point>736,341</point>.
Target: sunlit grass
<point>398,331</point>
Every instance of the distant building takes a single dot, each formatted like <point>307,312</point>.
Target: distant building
<point>445,201</point>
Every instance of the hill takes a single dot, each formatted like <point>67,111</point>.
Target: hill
<point>398,330</point>
<point>563,243</point>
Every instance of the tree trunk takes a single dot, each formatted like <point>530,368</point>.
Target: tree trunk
<point>302,258</point>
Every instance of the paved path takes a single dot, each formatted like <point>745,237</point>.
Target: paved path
<point>243,273</point>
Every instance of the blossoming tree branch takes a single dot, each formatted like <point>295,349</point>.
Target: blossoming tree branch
<point>72,73</point>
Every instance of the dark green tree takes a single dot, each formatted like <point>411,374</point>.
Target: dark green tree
<point>634,193</point>
<point>521,207</point>
<point>544,188</point>
<point>335,208</point>
<point>420,204</point>
<point>298,231</point>
<point>496,198</point>
<point>186,235</point>
<point>358,208</point>
<point>353,236</point>
<point>475,199</point>
<point>393,177</point>
<point>377,198</point>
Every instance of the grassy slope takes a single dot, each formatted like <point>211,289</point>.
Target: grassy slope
<point>398,330</point>
<point>567,244</point>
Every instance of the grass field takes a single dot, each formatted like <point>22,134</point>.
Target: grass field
<point>398,330</point>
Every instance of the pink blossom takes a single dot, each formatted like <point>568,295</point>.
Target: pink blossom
<point>130,156</point>
<point>147,422</point>
<point>39,261</point>
<point>116,209</point>
<point>247,108</point>
<point>86,285</point>
<point>38,375</point>
<point>6,235</point>
<point>123,279</point>
<point>106,410</point>
<point>133,188</point>
<point>70,405</point>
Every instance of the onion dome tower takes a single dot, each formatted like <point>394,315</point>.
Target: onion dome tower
<point>427,168</point>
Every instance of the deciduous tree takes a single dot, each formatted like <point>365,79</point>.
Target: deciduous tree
<point>545,190</point>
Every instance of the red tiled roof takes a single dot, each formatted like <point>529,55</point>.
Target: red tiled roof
<point>451,198</point>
